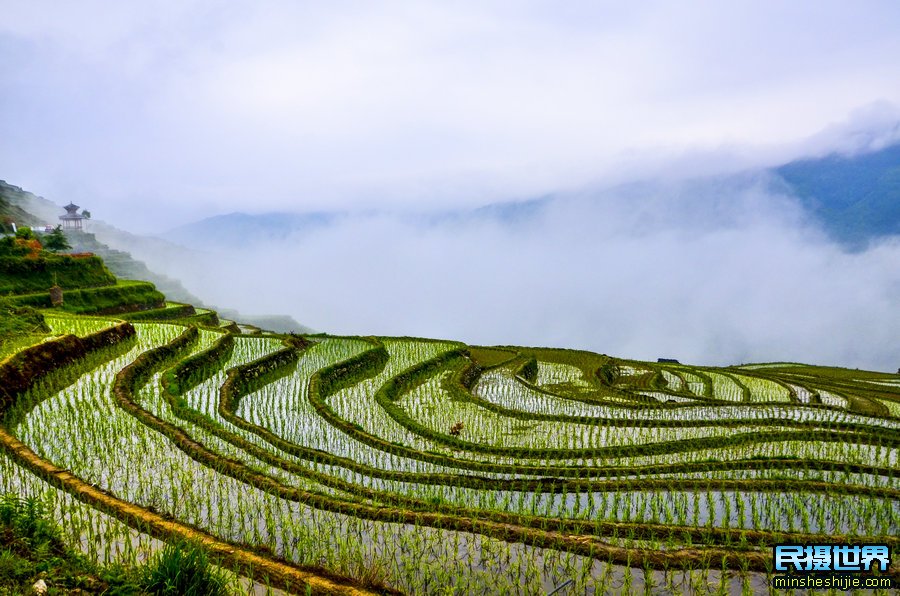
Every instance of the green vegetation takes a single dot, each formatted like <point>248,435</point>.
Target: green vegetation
<point>32,549</point>
<point>174,452</point>
<point>123,297</point>
<point>20,320</point>
<point>172,310</point>
<point>28,271</point>
<point>23,274</point>
<point>184,569</point>
<point>855,197</point>
<point>20,327</point>
<point>371,463</point>
<point>56,240</point>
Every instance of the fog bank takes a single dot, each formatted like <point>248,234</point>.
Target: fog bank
<point>719,272</point>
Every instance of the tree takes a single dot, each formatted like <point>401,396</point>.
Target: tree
<point>86,214</point>
<point>56,240</point>
<point>27,243</point>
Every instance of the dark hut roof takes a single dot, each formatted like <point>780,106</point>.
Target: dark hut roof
<point>72,212</point>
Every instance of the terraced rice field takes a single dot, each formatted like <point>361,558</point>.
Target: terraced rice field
<point>360,464</point>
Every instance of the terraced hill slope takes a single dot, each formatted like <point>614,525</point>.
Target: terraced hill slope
<point>25,207</point>
<point>351,465</point>
<point>363,464</point>
<point>123,265</point>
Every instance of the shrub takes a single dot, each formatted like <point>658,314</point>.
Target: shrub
<point>183,569</point>
<point>9,247</point>
<point>26,517</point>
<point>25,233</point>
<point>19,320</point>
<point>56,240</point>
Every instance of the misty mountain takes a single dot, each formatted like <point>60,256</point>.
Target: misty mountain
<point>241,230</point>
<point>119,250</point>
<point>510,212</point>
<point>857,198</point>
<point>235,230</point>
<point>10,211</point>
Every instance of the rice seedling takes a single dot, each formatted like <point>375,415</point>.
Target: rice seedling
<point>428,467</point>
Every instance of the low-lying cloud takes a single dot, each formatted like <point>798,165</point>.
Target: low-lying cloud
<point>153,114</point>
<point>718,272</point>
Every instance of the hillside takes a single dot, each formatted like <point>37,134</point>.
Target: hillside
<point>392,465</point>
<point>11,209</point>
<point>113,245</point>
<point>124,265</point>
<point>364,465</point>
<point>25,207</point>
<point>857,198</point>
<point>31,276</point>
<point>23,275</point>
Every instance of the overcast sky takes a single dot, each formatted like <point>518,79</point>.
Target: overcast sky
<point>152,114</point>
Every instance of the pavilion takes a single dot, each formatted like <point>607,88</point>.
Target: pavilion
<point>72,219</point>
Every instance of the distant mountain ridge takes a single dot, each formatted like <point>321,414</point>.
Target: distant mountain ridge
<point>855,198</point>
<point>238,230</point>
<point>10,209</point>
<point>234,230</point>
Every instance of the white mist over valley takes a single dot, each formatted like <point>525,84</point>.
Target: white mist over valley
<point>717,271</point>
<point>592,176</point>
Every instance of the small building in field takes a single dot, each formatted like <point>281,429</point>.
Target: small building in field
<point>56,296</point>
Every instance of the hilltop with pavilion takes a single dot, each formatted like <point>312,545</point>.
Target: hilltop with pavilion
<point>72,220</point>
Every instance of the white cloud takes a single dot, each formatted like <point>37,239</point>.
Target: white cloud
<point>711,273</point>
<point>191,106</point>
<point>157,113</point>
